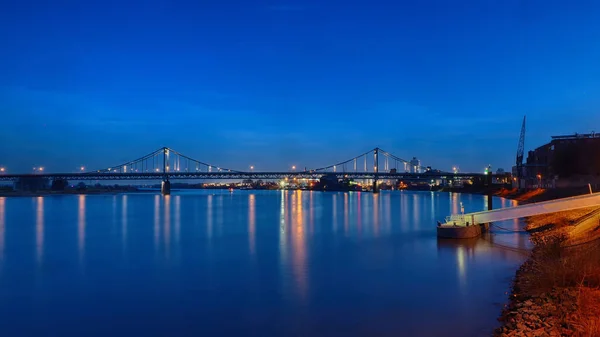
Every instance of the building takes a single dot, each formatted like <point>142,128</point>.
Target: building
<point>415,165</point>
<point>566,161</point>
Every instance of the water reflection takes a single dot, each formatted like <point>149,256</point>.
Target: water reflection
<point>124,220</point>
<point>346,211</point>
<point>462,272</point>
<point>387,212</point>
<point>220,214</point>
<point>415,211</point>
<point>251,222</point>
<point>81,226</point>
<point>2,225</point>
<point>334,212</point>
<point>39,229</point>
<point>454,203</point>
<point>114,213</point>
<point>299,248</point>
<point>404,212</point>
<point>156,221</point>
<point>463,251</point>
<point>167,223</point>
<point>376,200</point>
<point>282,229</point>
<point>358,213</point>
<point>209,217</point>
<point>312,211</point>
<point>316,276</point>
<point>177,219</point>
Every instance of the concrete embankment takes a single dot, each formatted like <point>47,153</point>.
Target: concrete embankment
<point>555,292</point>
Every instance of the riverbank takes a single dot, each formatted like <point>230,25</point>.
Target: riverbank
<point>555,292</point>
<point>540,194</point>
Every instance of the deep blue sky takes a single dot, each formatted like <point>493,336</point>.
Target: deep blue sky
<point>276,83</point>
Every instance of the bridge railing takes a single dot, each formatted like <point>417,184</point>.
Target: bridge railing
<point>459,220</point>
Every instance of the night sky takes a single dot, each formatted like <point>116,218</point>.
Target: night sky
<point>280,83</point>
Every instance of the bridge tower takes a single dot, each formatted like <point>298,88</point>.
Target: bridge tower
<point>165,186</point>
<point>376,169</point>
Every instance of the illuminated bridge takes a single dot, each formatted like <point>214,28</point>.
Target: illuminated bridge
<point>166,164</point>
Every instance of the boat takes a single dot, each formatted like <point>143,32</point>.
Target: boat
<point>457,227</point>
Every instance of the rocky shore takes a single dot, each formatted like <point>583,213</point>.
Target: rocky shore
<point>555,292</point>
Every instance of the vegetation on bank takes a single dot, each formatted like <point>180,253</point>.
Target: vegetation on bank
<point>556,291</point>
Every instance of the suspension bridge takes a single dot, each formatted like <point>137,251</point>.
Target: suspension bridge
<point>167,164</point>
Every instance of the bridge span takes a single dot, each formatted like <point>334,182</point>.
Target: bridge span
<point>166,164</point>
<point>239,175</point>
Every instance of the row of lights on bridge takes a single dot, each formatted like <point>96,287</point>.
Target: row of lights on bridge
<point>252,168</point>
<point>39,169</point>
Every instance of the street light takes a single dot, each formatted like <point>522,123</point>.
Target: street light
<point>82,168</point>
<point>251,167</point>
<point>293,167</point>
<point>41,169</point>
<point>2,169</point>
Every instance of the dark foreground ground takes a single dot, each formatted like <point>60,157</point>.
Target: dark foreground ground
<point>555,292</point>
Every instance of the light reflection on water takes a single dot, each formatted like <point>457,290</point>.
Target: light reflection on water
<point>81,225</point>
<point>156,222</point>
<point>252,223</point>
<point>39,228</point>
<point>2,225</point>
<point>282,262</point>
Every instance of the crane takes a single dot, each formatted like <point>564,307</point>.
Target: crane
<point>520,152</point>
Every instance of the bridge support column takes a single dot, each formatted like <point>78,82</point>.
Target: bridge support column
<point>165,187</point>
<point>490,198</point>
<point>376,169</point>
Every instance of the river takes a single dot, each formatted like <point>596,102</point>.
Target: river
<point>250,263</point>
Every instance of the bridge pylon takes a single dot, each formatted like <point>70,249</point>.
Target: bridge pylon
<point>375,169</point>
<point>165,186</point>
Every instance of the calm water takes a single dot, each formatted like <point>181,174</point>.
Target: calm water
<point>272,263</point>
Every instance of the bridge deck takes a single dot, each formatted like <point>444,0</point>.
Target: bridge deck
<point>239,175</point>
<point>558,205</point>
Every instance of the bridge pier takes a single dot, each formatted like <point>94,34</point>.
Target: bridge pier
<point>165,187</point>
<point>376,169</point>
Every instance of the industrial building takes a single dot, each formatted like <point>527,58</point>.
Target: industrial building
<point>566,161</point>
<point>415,165</point>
